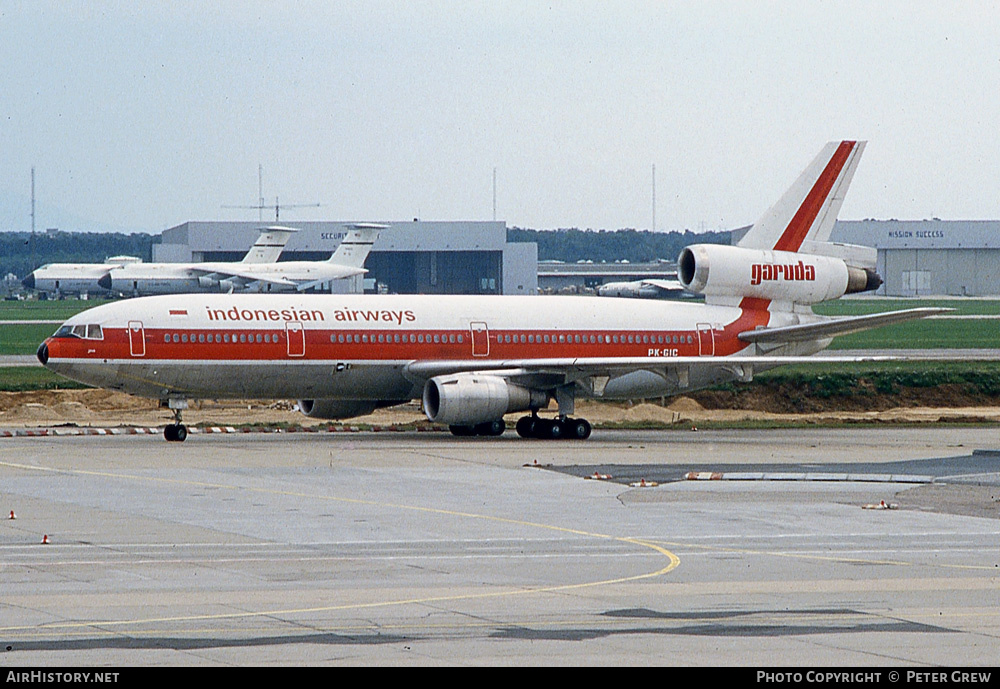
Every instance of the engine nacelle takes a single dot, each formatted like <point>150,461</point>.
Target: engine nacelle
<point>336,409</point>
<point>206,282</point>
<point>732,271</point>
<point>467,399</point>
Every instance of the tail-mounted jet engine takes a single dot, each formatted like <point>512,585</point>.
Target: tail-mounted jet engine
<point>732,271</point>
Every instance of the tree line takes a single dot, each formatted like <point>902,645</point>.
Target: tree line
<point>634,246</point>
<point>22,252</point>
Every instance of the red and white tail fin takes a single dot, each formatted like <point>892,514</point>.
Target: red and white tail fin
<point>808,210</point>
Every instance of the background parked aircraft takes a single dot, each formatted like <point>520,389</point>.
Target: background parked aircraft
<point>61,279</point>
<point>262,274</point>
<point>94,278</point>
<point>650,288</point>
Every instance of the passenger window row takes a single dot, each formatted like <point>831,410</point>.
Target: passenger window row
<point>222,338</point>
<point>576,338</point>
<point>94,332</point>
<point>393,338</point>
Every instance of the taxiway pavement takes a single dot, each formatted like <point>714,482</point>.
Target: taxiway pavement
<point>424,549</point>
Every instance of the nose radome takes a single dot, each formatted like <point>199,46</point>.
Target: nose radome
<point>29,282</point>
<point>43,353</point>
<point>105,281</point>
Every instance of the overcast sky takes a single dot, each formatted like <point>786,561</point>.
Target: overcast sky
<point>143,115</point>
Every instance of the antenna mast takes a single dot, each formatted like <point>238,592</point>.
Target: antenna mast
<point>260,192</point>
<point>654,197</point>
<point>32,218</point>
<point>260,200</point>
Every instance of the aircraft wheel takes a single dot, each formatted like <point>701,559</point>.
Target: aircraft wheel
<point>553,430</point>
<point>493,428</point>
<point>526,426</point>
<point>175,433</point>
<point>462,430</point>
<point>578,428</point>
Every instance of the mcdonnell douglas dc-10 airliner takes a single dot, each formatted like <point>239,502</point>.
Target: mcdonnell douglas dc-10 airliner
<point>473,359</point>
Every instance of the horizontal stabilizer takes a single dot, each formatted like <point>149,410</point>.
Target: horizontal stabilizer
<point>835,326</point>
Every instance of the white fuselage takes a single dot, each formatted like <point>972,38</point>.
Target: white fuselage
<point>70,278</point>
<point>170,278</point>
<point>369,347</point>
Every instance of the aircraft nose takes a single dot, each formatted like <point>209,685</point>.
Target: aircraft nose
<point>29,282</point>
<point>43,353</point>
<point>105,281</point>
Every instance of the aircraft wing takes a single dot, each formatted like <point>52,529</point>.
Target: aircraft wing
<point>595,372</point>
<point>835,326</point>
<point>672,286</point>
<point>241,271</point>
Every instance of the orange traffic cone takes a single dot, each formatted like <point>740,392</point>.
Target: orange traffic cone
<point>45,539</point>
<point>12,516</point>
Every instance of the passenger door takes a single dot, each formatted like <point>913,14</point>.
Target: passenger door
<point>136,338</point>
<point>296,339</point>
<point>706,340</point>
<point>480,338</point>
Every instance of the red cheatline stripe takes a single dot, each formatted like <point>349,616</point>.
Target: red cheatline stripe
<point>791,239</point>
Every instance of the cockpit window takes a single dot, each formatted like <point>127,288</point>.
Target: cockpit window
<point>90,331</point>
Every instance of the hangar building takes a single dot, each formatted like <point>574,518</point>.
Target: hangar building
<point>408,258</point>
<point>930,257</point>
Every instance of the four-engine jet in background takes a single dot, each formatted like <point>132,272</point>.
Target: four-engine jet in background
<point>61,279</point>
<point>260,270</point>
<point>473,359</point>
<point>95,278</point>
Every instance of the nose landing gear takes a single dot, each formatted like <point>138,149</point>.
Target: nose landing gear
<point>177,431</point>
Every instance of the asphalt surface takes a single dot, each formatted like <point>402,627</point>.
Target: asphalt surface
<point>422,549</point>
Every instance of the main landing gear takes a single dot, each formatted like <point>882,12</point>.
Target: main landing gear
<point>177,431</point>
<point>493,428</point>
<point>533,426</point>
<point>553,429</point>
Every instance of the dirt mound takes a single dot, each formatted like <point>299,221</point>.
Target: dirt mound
<point>791,398</point>
<point>93,399</point>
<point>776,403</point>
<point>683,404</point>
